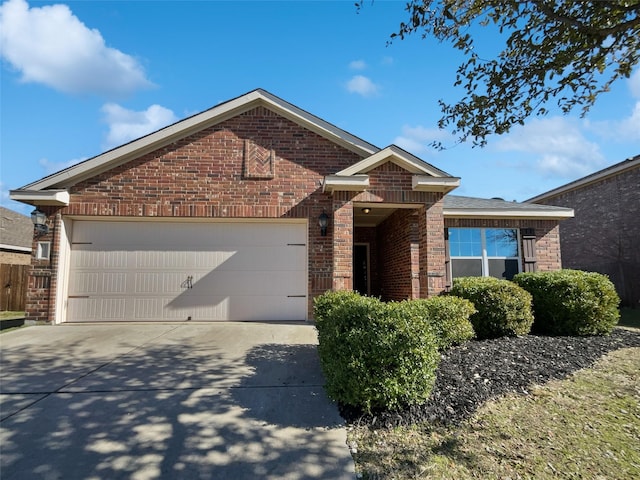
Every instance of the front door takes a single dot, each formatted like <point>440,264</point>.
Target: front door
<point>361,268</point>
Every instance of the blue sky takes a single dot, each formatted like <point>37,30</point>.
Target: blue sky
<point>81,77</point>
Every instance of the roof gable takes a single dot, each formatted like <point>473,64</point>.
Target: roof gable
<point>396,155</point>
<point>167,135</point>
<point>426,177</point>
<point>617,169</point>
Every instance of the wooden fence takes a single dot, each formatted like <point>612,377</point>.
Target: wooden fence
<point>13,287</point>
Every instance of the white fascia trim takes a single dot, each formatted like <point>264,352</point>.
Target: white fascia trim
<point>317,125</point>
<point>394,154</point>
<point>559,214</point>
<point>186,127</point>
<point>353,183</point>
<point>424,183</point>
<point>15,248</point>
<point>59,198</point>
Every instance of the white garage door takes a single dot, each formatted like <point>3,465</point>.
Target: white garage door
<point>160,271</point>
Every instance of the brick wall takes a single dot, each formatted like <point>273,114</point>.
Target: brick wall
<point>205,176</point>
<point>342,241</point>
<point>604,235</point>
<point>42,275</point>
<point>397,238</point>
<point>432,247</point>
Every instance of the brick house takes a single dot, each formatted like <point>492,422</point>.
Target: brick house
<point>604,236</point>
<point>217,217</point>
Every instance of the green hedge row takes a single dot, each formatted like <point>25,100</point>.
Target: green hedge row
<point>378,355</point>
<point>563,302</point>
<point>571,302</point>
<point>503,308</point>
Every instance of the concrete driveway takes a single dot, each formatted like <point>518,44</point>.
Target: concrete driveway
<point>184,401</point>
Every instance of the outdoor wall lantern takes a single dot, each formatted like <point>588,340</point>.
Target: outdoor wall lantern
<point>39,220</point>
<point>323,221</point>
<point>366,210</point>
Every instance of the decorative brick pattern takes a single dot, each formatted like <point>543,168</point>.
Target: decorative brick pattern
<point>258,161</point>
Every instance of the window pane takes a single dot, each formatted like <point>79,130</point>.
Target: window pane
<point>465,242</point>
<point>502,242</point>
<point>464,267</point>
<point>503,268</point>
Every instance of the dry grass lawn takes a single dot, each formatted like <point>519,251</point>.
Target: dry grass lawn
<point>584,427</point>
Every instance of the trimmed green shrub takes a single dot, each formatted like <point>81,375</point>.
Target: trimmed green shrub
<point>503,308</point>
<point>448,317</point>
<point>374,356</point>
<point>571,302</point>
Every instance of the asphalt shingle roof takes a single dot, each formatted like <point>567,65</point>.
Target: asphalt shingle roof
<point>15,229</point>
<point>456,201</point>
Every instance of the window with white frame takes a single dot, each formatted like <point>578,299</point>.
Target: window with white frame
<point>43,250</point>
<point>484,252</point>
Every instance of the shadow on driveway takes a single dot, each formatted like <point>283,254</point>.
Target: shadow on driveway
<point>182,401</point>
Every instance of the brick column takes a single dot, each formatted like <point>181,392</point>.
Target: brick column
<point>40,305</point>
<point>432,248</point>
<point>342,229</point>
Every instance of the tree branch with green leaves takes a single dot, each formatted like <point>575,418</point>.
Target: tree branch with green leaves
<point>562,51</point>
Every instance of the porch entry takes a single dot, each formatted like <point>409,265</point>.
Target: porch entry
<point>361,279</point>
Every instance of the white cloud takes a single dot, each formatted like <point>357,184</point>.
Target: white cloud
<point>357,65</point>
<point>557,145</point>
<point>362,86</point>
<point>629,128</point>
<point>126,125</point>
<point>417,139</point>
<point>51,46</point>
<point>53,167</point>
<point>626,129</point>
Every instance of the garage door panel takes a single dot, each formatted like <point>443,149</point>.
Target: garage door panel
<point>176,271</point>
<point>82,308</point>
<point>163,259</point>
<point>272,258</point>
<point>114,282</point>
<point>84,283</point>
<point>286,308</point>
<point>276,283</point>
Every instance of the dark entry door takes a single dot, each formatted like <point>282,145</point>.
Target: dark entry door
<point>361,269</point>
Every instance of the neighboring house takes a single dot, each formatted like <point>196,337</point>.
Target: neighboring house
<point>249,210</point>
<point>16,236</point>
<point>604,236</point>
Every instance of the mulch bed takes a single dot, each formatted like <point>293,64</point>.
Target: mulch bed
<point>471,374</point>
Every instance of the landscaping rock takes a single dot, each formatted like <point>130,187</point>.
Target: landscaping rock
<point>477,371</point>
